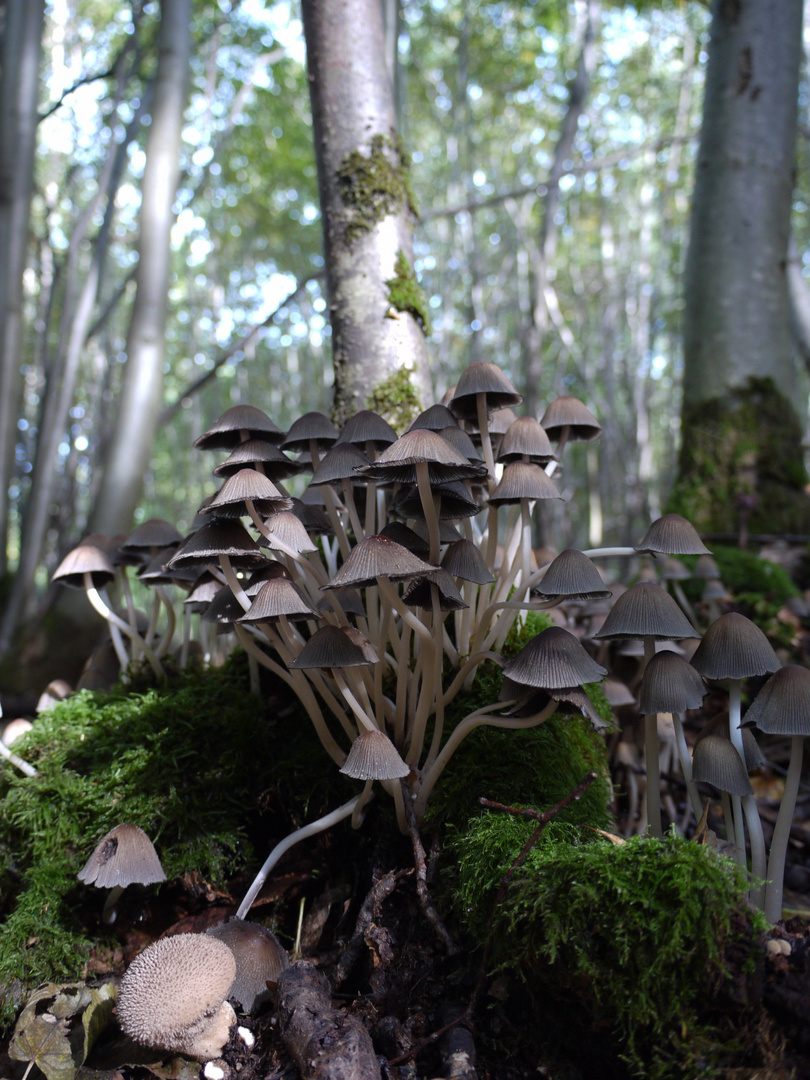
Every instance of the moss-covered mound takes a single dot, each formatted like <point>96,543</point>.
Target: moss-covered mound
<point>647,941</point>
<point>197,763</point>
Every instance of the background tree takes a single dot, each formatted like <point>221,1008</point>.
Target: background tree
<point>376,307</point>
<point>741,459</point>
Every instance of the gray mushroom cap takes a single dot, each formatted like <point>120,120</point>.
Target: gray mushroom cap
<point>260,959</point>
<point>125,856</point>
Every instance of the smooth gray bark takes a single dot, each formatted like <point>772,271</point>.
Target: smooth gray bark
<point>142,390</point>
<point>736,323</point>
<point>353,111</point>
<point>19,96</point>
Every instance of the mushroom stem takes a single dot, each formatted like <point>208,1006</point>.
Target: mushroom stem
<point>686,766</point>
<point>429,510</point>
<point>651,757</point>
<point>781,832</point>
<point>479,718</point>
<point>314,827</point>
<point>735,734</point>
<point>366,795</point>
<point>96,598</point>
<point>23,766</point>
<point>109,912</point>
<point>483,429</point>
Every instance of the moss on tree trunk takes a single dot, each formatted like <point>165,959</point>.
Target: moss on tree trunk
<point>741,464</point>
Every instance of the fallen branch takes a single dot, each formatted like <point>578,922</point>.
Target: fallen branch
<point>430,912</point>
<point>325,1043</point>
<point>369,910</point>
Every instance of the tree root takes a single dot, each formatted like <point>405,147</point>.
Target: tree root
<point>325,1043</point>
<point>369,911</point>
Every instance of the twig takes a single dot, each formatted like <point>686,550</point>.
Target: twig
<point>368,912</point>
<point>431,914</point>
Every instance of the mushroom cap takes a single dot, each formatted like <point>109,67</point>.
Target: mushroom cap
<point>420,594</point>
<point>523,480</point>
<point>670,684</point>
<point>552,660</point>
<point>226,432</point>
<point>719,725</point>
<point>673,535</point>
<point>569,412</point>
<point>483,377</point>
<point>378,557</point>
<point>734,648</point>
<point>434,418</point>
<point>716,761</point>
<point>646,610</point>
<point>464,560</point>
<point>173,994</point>
<point>312,425</point>
<point>374,757</point>
<point>230,501</point>
<point>287,528</point>
<point>154,533</point>
<point>367,427</point>
<point>125,856</point>
<point>336,647</point>
<point>273,462</point>
<point>526,440</point>
<point>573,575</point>
<point>398,462</point>
<point>782,707</point>
<point>219,537</point>
<point>340,462</point>
<point>276,597</point>
<point>86,558</point>
<point>260,958</point>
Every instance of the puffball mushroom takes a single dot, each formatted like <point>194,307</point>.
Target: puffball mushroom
<point>124,856</point>
<point>174,995</point>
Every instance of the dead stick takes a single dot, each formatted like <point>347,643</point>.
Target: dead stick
<point>368,912</point>
<point>431,914</point>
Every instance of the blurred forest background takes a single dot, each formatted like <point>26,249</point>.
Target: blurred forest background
<point>553,148</point>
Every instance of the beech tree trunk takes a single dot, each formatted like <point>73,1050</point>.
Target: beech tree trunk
<point>139,408</point>
<point>741,455</point>
<point>375,305</point>
<point>19,96</point>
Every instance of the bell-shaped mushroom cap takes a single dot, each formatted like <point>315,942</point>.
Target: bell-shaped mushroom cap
<point>274,463</point>
<point>716,761</point>
<point>125,856</point>
<point>617,693</point>
<point>398,462</point>
<point>526,440</point>
<point>706,567</point>
<point>367,427</point>
<point>569,412</point>
<point>173,995</point>
<point>464,560</point>
<point>523,480</point>
<point>84,559</point>
<point>646,610</point>
<point>340,462</point>
<point>288,529</point>
<point>782,707</point>
<point>434,418</point>
<point>378,557</point>
<point>348,600</point>
<point>260,959</point>
<point>336,647</point>
<point>719,725</point>
<point>403,534</point>
<point>734,648</point>
<point>673,535</point>
<point>454,499</point>
<point>459,438</point>
<point>312,425</point>
<point>420,594</point>
<point>572,574</point>
<point>276,597</point>
<point>374,757</point>
<point>152,534</point>
<point>571,700</point>
<point>670,684</point>
<point>553,659</point>
<point>230,500</point>
<point>227,431</point>
<point>674,570</point>
<point>218,537</point>
<point>485,378</point>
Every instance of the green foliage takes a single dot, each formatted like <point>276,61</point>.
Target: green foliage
<point>406,294</point>
<point>373,186</point>
<point>396,398</point>
<point>637,936</point>
<point>759,587</point>
<point>189,762</point>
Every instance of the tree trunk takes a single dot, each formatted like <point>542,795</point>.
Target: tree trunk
<point>741,457</point>
<point>142,389</point>
<point>19,91</point>
<point>377,309</point>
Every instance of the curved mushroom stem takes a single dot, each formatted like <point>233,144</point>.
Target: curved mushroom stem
<point>96,598</point>
<point>9,755</point>
<point>483,429</point>
<point>366,795</point>
<point>429,510</point>
<point>758,866</point>
<point>314,827</point>
<point>781,832</point>
<point>686,766</point>
<point>479,718</point>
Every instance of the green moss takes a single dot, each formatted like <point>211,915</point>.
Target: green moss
<point>374,185</point>
<point>193,763</point>
<point>406,294</point>
<point>642,939</point>
<point>759,587</point>
<point>741,457</point>
<point>396,398</point>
